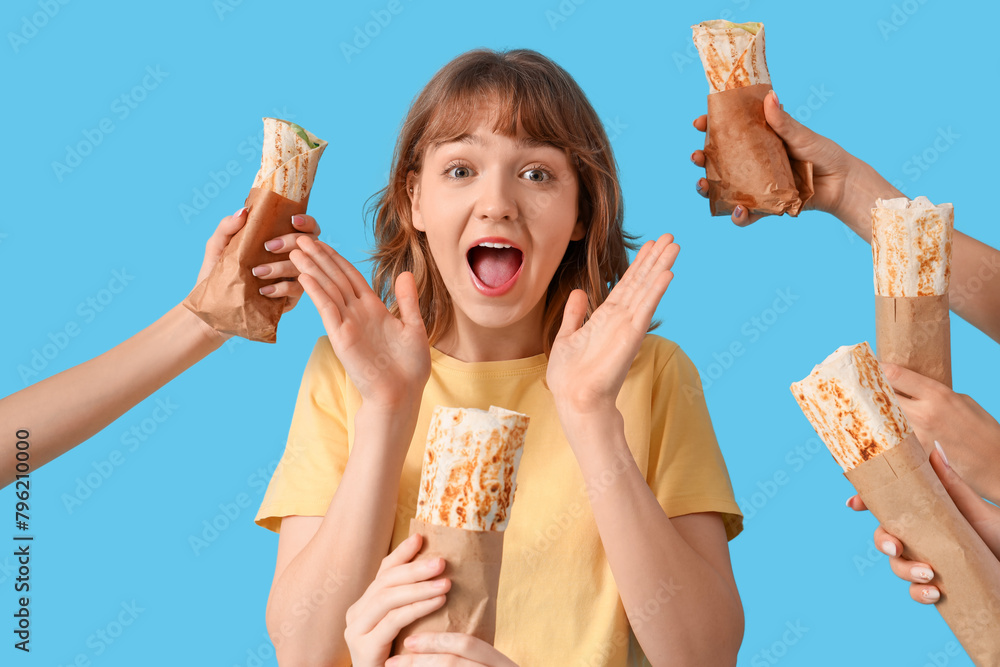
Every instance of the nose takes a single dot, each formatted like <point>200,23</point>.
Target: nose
<point>496,200</point>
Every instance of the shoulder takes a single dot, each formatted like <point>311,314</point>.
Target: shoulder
<point>324,367</point>
<point>659,353</point>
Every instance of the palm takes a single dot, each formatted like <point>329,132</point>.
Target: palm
<point>588,363</point>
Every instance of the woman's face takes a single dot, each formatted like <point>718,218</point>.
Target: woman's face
<point>499,213</point>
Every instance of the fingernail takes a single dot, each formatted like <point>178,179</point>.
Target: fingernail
<point>261,271</point>
<point>848,503</point>
<point>932,595</point>
<point>775,97</point>
<point>239,212</point>
<point>267,289</point>
<point>410,642</point>
<point>888,548</point>
<point>433,563</point>
<point>274,244</point>
<point>922,574</point>
<point>298,220</point>
<point>941,452</point>
<point>441,583</point>
<point>692,157</point>
<point>738,212</point>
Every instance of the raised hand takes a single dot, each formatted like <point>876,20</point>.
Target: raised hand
<point>388,359</point>
<point>281,245</point>
<point>831,163</point>
<point>449,648</point>
<point>401,593</point>
<point>588,362</point>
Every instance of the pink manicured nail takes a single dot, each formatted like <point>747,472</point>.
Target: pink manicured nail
<point>775,97</point>
<point>267,289</point>
<point>240,212</point>
<point>692,158</point>
<point>274,244</point>
<point>941,452</point>
<point>932,595</point>
<point>888,548</point>
<point>298,220</point>
<point>922,574</point>
<point>410,642</point>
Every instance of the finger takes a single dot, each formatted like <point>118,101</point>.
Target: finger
<point>574,313</point>
<point>701,123</point>
<point>403,553</point>
<point>741,217</point>
<point>305,224</point>
<point>382,601</point>
<point>792,131</point>
<point>886,543</point>
<point>457,644</point>
<point>227,228</point>
<point>388,628</point>
<point>925,593</point>
<point>315,262</point>
<point>969,503</point>
<point>328,308</point>
<point>655,286</point>
<point>406,298</point>
<point>856,504</point>
<point>283,269</point>
<point>282,288</point>
<point>911,571</point>
<point>641,275</point>
<point>357,281</point>
<point>698,157</point>
<point>411,572</point>
<point>702,187</point>
<point>909,382</point>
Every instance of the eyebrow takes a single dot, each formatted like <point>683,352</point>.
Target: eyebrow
<point>474,139</point>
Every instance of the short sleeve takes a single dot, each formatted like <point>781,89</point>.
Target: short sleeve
<point>687,472</point>
<point>317,448</point>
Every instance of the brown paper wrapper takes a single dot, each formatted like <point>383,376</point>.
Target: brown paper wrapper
<point>746,162</point>
<point>472,562</point>
<point>229,299</point>
<point>915,332</point>
<point>904,493</point>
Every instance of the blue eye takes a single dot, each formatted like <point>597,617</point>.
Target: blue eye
<point>537,175</point>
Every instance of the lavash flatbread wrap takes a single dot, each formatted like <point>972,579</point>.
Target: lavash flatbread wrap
<point>911,253</point>
<point>746,162</point>
<point>229,299</point>
<point>467,485</point>
<point>854,411</point>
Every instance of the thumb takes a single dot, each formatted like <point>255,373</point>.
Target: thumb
<point>969,503</point>
<point>574,313</point>
<point>406,298</point>
<point>790,130</point>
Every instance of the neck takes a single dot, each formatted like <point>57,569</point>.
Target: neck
<point>470,342</point>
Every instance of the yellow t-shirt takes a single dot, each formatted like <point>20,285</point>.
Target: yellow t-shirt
<point>557,602</point>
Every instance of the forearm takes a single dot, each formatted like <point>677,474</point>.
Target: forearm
<point>343,557</point>
<point>975,266</point>
<point>62,411</point>
<point>680,608</point>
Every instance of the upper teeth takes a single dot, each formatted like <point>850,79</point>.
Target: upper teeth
<point>487,244</point>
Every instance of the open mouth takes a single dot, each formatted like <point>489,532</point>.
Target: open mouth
<point>495,266</point>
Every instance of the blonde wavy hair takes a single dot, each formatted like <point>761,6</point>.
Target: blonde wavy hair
<point>523,89</point>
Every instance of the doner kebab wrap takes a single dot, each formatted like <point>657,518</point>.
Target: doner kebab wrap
<point>911,250</point>
<point>746,162</point>
<point>229,299</point>
<point>854,410</point>
<point>467,486</point>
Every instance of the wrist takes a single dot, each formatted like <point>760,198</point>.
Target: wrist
<point>863,185</point>
<point>198,329</point>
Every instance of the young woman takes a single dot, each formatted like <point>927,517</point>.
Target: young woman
<point>501,232</point>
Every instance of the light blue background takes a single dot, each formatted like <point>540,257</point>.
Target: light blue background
<point>804,559</point>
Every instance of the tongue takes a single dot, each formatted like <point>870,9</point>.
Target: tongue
<point>494,266</point>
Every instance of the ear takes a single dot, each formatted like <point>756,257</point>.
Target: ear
<point>413,192</point>
<point>579,231</point>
